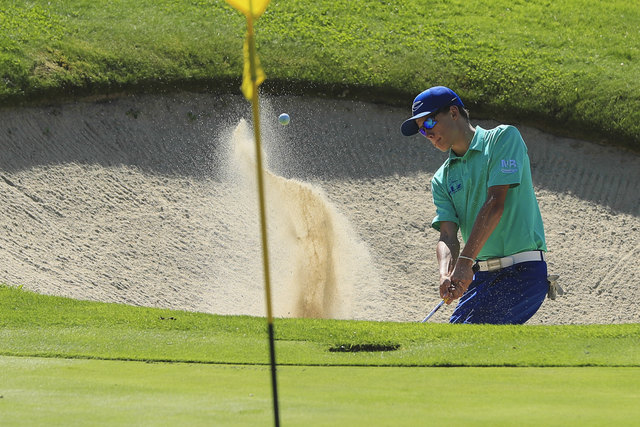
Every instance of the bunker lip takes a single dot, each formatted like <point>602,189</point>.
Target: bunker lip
<point>129,200</point>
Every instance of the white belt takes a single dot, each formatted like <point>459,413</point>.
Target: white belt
<point>494,264</point>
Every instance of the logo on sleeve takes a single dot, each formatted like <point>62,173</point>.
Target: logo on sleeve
<point>508,166</point>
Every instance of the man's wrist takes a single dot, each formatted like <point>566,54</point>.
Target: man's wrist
<point>473,261</point>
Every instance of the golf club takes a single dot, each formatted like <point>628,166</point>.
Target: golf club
<point>437,307</point>
<point>475,269</point>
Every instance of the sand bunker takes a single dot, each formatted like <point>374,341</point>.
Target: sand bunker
<point>150,200</point>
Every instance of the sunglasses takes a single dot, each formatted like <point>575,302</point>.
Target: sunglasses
<point>428,124</point>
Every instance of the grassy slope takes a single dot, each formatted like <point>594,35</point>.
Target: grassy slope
<point>38,325</point>
<point>569,66</point>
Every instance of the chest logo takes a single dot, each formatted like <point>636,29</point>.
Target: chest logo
<point>454,186</point>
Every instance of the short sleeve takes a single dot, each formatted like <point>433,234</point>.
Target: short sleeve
<point>445,210</point>
<point>507,158</point>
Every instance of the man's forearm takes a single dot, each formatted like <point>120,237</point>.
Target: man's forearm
<point>486,221</point>
<point>446,257</point>
<point>447,249</point>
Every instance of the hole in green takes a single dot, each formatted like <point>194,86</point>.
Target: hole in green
<point>352,348</point>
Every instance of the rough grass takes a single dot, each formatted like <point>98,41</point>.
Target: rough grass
<point>570,67</point>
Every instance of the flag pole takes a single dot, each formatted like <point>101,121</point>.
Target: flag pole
<point>263,215</point>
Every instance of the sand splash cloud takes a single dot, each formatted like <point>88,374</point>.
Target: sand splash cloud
<point>318,257</point>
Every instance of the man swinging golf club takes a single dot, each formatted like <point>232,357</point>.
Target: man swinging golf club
<point>484,189</point>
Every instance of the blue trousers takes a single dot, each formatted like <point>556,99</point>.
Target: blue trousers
<point>507,296</point>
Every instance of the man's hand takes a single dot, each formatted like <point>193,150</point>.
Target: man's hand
<point>445,285</point>
<point>456,285</point>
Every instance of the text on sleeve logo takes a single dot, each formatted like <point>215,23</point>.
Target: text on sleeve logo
<point>508,166</point>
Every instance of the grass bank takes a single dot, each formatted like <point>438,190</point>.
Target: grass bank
<point>569,67</point>
<point>47,326</point>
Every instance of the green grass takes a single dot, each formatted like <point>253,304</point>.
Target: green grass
<point>88,392</point>
<point>47,326</point>
<point>69,362</point>
<point>570,67</point>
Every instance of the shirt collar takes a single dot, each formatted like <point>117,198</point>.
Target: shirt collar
<point>476,144</point>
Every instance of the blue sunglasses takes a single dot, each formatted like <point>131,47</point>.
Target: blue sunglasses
<point>428,124</point>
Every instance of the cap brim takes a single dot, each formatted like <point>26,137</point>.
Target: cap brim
<point>410,127</point>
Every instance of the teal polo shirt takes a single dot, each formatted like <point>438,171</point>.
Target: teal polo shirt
<point>495,157</point>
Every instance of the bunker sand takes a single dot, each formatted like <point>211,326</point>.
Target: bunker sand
<point>143,200</point>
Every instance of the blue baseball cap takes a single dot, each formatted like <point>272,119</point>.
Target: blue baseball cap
<point>428,102</point>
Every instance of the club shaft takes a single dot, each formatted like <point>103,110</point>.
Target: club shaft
<point>437,307</point>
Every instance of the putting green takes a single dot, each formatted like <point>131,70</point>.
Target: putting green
<point>42,391</point>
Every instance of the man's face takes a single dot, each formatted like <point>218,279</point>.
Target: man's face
<point>437,133</point>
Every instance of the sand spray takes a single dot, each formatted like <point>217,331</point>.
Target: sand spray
<point>316,259</point>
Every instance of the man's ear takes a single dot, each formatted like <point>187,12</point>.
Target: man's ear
<point>455,113</point>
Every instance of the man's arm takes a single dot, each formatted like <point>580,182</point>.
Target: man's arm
<point>447,251</point>
<point>486,221</point>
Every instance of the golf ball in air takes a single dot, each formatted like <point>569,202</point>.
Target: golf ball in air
<point>284,119</point>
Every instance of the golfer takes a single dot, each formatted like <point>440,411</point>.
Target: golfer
<point>483,189</point>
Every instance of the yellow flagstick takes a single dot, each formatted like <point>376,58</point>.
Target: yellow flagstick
<point>250,90</point>
<point>263,217</point>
